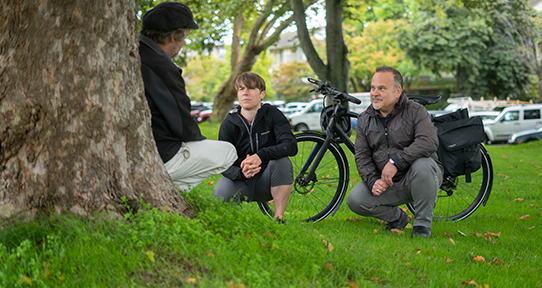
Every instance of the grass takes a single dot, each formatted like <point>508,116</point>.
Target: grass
<point>231,245</point>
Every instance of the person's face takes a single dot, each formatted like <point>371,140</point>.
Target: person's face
<point>175,48</point>
<point>384,95</point>
<point>250,99</point>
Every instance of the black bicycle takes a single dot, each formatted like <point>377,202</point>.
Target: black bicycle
<point>322,171</point>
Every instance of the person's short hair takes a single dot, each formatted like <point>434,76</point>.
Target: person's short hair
<point>397,77</point>
<point>250,80</point>
<point>166,19</point>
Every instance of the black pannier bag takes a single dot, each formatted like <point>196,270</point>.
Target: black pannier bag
<point>459,140</point>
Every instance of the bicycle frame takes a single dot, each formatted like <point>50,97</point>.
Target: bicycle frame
<point>304,178</point>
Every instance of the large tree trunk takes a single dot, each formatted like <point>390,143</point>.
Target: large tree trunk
<point>74,123</point>
<point>337,68</point>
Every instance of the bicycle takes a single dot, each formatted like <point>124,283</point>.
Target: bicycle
<point>321,168</point>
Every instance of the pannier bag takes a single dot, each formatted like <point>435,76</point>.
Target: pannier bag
<point>459,140</point>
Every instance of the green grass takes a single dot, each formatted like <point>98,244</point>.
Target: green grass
<point>230,245</point>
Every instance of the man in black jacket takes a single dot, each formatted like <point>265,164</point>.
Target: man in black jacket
<point>188,156</point>
<point>263,139</point>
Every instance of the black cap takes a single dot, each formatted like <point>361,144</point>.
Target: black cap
<point>169,16</point>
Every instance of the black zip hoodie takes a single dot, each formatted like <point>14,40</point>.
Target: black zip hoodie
<point>269,136</point>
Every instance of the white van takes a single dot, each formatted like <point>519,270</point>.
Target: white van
<point>511,120</point>
<point>309,117</point>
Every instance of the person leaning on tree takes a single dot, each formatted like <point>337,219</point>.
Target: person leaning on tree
<point>396,146</point>
<point>188,156</point>
<point>263,139</point>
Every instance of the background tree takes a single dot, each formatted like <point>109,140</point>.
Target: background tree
<point>450,37</point>
<point>75,125</point>
<point>264,23</point>
<point>290,81</point>
<point>337,67</point>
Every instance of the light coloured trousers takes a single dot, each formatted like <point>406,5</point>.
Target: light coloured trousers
<point>198,160</point>
<point>420,186</point>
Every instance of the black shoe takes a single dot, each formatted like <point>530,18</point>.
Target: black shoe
<point>399,223</point>
<point>420,231</point>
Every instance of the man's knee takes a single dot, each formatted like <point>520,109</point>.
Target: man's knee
<point>424,167</point>
<point>356,199</point>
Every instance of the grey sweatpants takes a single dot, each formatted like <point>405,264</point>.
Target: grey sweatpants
<point>278,172</point>
<point>420,186</point>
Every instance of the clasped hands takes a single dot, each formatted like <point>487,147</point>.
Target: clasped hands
<point>251,165</point>
<point>385,180</point>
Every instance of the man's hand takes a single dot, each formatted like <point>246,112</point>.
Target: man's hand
<point>379,187</point>
<point>388,172</point>
<point>251,165</point>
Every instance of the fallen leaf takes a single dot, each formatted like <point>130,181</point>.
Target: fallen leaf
<point>191,280</point>
<point>354,285</point>
<point>497,261</point>
<point>531,227</point>
<point>375,231</point>
<point>150,255</point>
<point>502,175</point>
<point>210,255</point>
<point>479,259</point>
<point>328,245</point>
<point>448,260</point>
<point>240,285</point>
<point>354,179</point>
<point>398,231</point>
<point>477,234</point>
<point>452,241</point>
<point>504,156</point>
<point>210,182</point>
<point>330,266</point>
<point>524,217</point>
<point>61,277</point>
<point>374,279</point>
<point>269,234</point>
<point>448,234</point>
<point>27,280</point>
<point>231,285</point>
<point>354,219</point>
<point>471,283</point>
<point>519,200</point>
<point>461,233</point>
<point>407,263</point>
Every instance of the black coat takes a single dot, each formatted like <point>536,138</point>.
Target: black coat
<point>270,137</point>
<point>170,107</point>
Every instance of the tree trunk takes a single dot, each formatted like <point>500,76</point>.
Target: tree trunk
<point>75,126</point>
<point>258,42</point>
<point>337,53</point>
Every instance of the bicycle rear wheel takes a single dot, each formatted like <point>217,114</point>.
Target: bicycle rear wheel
<point>458,199</point>
<point>323,193</point>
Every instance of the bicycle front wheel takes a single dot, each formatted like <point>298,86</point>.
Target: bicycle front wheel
<point>458,199</point>
<point>322,194</point>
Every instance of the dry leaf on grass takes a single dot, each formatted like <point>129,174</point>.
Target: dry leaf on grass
<point>524,217</point>
<point>452,241</point>
<point>328,245</point>
<point>398,231</point>
<point>330,266</point>
<point>488,236</point>
<point>479,259</point>
<point>448,260</point>
<point>519,200</point>
<point>470,283</point>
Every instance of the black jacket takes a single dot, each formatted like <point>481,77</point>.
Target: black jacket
<point>270,137</point>
<point>170,107</point>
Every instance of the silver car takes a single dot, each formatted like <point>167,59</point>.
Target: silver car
<point>525,136</point>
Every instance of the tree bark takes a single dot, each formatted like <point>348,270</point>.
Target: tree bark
<point>337,68</point>
<point>75,126</point>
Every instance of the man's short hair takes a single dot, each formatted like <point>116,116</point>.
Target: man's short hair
<point>397,77</point>
<point>166,19</point>
<point>250,80</point>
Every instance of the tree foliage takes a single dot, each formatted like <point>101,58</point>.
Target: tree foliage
<point>290,81</point>
<point>464,39</point>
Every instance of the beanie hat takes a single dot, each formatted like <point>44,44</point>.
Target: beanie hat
<point>169,16</point>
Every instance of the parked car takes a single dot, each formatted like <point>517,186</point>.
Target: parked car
<point>511,120</point>
<point>294,107</point>
<point>309,117</point>
<point>525,136</point>
<point>205,114</point>
<point>485,115</point>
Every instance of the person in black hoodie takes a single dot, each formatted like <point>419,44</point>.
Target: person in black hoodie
<point>263,139</point>
<point>188,156</point>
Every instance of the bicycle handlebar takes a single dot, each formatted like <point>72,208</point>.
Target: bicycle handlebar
<point>326,89</point>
